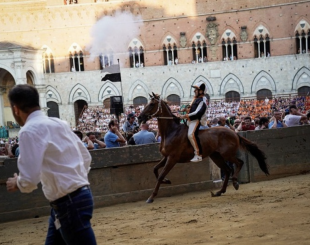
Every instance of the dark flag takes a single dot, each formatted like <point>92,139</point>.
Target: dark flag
<point>113,73</point>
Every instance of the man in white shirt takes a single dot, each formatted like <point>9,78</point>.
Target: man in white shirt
<point>52,154</point>
<point>294,118</point>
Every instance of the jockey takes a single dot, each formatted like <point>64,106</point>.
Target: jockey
<point>197,111</point>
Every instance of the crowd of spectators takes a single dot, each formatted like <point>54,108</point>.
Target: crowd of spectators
<point>97,128</point>
<point>9,147</point>
<point>96,119</point>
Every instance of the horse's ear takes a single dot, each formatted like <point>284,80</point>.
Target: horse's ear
<point>151,96</point>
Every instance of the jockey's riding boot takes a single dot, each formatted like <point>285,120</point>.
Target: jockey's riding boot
<point>196,158</point>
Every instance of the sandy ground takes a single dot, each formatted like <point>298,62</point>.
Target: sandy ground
<point>270,212</point>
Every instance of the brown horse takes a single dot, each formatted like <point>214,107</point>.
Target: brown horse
<point>219,143</point>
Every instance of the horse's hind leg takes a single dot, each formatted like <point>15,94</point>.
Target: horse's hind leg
<point>157,167</point>
<point>169,165</point>
<point>220,162</point>
<point>239,163</point>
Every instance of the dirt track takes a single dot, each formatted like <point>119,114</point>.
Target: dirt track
<point>270,212</point>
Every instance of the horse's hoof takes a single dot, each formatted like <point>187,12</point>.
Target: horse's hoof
<point>217,194</point>
<point>236,185</point>
<point>149,200</point>
<point>166,181</point>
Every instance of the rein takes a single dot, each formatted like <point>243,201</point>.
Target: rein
<point>160,108</point>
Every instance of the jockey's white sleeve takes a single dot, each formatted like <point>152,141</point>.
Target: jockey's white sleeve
<point>197,109</point>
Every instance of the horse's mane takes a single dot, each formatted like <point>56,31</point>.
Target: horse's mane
<point>175,118</point>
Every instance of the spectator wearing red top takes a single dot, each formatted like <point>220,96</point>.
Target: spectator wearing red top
<point>245,125</point>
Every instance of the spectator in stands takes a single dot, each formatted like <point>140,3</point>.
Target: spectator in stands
<point>276,121</point>
<point>12,150</point>
<point>225,123</point>
<point>294,117</point>
<point>263,123</point>
<point>143,137</point>
<point>96,143</point>
<point>88,143</point>
<point>113,137</point>
<point>214,122</point>
<point>131,124</point>
<point>245,125</point>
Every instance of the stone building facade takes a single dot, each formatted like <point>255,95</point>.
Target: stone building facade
<point>241,48</point>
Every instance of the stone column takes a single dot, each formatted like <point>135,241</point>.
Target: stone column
<point>134,59</point>
<point>73,61</point>
<point>42,92</point>
<point>21,77</point>
<point>1,107</point>
<point>226,48</point>
<point>232,50</point>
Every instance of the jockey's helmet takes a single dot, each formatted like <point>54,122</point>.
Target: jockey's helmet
<point>200,86</point>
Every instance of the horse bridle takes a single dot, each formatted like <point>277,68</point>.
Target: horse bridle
<point>159,108</point>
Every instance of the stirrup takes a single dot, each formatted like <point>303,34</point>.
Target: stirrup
<point>196,158</point>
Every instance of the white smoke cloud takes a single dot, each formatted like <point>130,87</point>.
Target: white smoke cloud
<point>114,33</point>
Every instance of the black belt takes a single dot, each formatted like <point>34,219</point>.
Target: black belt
<point>68,196</point>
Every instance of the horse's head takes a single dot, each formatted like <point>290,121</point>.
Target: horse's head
<point>151,109</point>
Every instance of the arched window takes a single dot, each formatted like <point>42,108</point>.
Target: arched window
<point>232,96</point>
<point>263,94</point>
<point>76,61</point>
<point>48,64</point>
<point>53,109</point>
<point>139,101</point>
<point>304,91</point>
<point>199,52</point>
<point>170,51</point>
<point>79,106</point>
<point>302,42</point>
<point>170,54</point>
<point>105,60</point>
<point>136,54</point>
<point>174,99</point>
<point>107,103</point>
<point>229,46</point>
<point>136,57</point>
<point>261,46</point>
<point>199,48</point>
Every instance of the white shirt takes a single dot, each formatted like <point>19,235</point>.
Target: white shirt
<point>292,120</point>
<point>52,154</point>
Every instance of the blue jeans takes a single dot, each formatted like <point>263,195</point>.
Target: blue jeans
<point>74,213</point>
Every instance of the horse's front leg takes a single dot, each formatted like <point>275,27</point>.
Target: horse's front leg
<point>157,167</point>
<point>168,166</point>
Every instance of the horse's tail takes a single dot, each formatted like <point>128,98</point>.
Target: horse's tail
<point>256,152</point>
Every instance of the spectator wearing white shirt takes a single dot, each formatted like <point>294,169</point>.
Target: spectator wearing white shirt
<point>52,154</point>
<point>294,117</point>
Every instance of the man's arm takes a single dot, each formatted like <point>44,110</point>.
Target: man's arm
<point>89,143</point>
<point>239,127</point>
<point>100,143</point>
<point>120,139</point>
<point>274,125</point>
